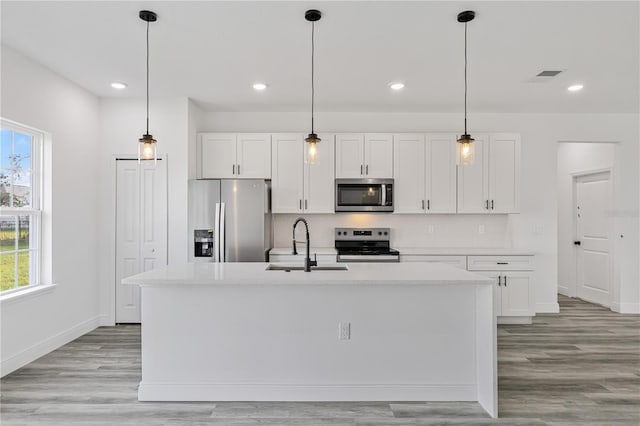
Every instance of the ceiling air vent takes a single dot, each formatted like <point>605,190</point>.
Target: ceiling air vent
<point>548,73</point>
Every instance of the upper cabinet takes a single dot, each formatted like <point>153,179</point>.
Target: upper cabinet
<point>368,155</point>
<point>234,156</point>
<point>424,173</point>
<point>296,185</point>
<point>491,184</point>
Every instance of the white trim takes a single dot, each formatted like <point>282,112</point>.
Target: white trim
<point>626,307</point>
<point>50,344</point>
<point>174,391</point>
<point>18,295</point>
<point>515,320</point>
<point>547,308</point>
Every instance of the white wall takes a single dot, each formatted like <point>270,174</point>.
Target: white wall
<point>122,123</point>
<point>575,158</point>
<point>35,96</point>
<point>536,227</point>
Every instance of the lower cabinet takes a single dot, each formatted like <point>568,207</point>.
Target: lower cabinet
<point>457,261</point>
<point>299,258</point>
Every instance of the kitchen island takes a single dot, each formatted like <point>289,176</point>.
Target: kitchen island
<point>374,332</point>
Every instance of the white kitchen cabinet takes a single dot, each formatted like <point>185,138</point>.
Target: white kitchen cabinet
<point>424,173</point>
<point>491,184</point>
<point>457,261</point>
<point>299,258</point>
<point>234,156</point>
<point>368,155</point>
<point>514,292</point>
<point>296,185</point>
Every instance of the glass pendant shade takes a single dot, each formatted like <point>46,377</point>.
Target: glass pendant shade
<point>147,148</point>
<point>465,150</point>
<point>312,148</point>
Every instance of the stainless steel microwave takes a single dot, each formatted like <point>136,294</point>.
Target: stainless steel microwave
<point>364,195</point>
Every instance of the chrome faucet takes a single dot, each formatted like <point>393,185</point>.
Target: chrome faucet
<point>308,263</point>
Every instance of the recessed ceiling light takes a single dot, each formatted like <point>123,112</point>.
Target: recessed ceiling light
<point>575,88</point>
<point>396,86</point>
<point>119,85</point>
<point>259,86</point>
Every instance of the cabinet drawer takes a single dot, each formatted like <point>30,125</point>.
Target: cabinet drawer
<point>457,261</point>
<point>500,263</point>
<point>299,258</point>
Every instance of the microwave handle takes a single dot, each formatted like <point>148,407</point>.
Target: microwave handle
<point>384,194</point>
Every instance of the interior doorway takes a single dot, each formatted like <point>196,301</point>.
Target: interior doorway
<point>141,228</point>
<point>592,200</point>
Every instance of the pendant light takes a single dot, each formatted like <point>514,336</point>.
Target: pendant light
<point>312,139</point>
<point>147,144</point>
<point>465,149</point>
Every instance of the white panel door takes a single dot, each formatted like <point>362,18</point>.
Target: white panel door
<point>141,229</point>
<point>593,257</point>
<point>217,155</point>
<point>497,289</point>
<point>504,176</point>
<point>473,184</point>
<point>441,173</point>
<point>287,171</point>
<point>349,155</point>
<point>409,173</point>
<point>253,156</point>
<point>319,186</point>
<point>378,155</point>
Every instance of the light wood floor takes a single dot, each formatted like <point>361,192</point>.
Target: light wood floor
<point>579,367</point>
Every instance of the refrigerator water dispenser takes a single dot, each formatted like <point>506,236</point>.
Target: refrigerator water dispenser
<point>203,240</point>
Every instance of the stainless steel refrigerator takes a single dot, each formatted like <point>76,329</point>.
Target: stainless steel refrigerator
<point>229,220</point>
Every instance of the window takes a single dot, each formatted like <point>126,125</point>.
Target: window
<point>20,206</point>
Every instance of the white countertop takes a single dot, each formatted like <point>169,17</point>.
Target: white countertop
<point>420,251</point>
<point>255,274</point>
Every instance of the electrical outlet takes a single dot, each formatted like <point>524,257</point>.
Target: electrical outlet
<point>430,229</point>
<point>344,331</point>
<point>481,229</point>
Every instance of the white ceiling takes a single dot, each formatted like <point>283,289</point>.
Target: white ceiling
<point>212,52</point>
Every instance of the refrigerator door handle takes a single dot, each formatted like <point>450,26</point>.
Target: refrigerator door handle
<point>216,235</point>
<point>222,234</point>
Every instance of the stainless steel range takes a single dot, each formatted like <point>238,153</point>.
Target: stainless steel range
<point>365,245</point>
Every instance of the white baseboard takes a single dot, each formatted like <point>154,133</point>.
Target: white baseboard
<point>44,347</point>
<point>547,308</point>
<point>626,308</point>
<point>304,392</point>
<point>105,321</point>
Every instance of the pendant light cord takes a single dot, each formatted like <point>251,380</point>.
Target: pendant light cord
<point>147,77</point>
<point>465,78</point>
<point>312,72</point>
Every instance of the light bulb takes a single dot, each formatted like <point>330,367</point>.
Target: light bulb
<point>147,151</point>
<point>312,153</point>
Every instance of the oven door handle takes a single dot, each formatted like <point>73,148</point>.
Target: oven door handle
<point>384,194</point>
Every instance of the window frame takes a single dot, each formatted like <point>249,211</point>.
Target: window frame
<point>34,211</point>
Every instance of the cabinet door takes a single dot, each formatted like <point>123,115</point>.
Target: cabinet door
<point>217,155</point>
<point>253,153</point>
<point>378,155</point>
<point>287,173</point>
<point>441,173</point>
<point>504,172</point>
<point>408,173</point>
<point>516,292</point>
<point>319,186</point>
<point>497,290</point>
<point>473,184</point>
<point>349,155</point>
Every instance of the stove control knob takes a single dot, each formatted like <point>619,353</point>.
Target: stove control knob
<point>385,232</point>
<point>379,233</point>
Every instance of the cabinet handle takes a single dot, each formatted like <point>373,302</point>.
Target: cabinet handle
<point>499,280</point>
<point>366,170</point>
<point>233,170</point>
<point>422,204</point>
<point>305,204</point>
<point>238,169</point>
<point>491,200</point>
<point>502,263</point>
<point>300,204</point>
<point>486,204</point>
<point>505,280</point>
<point>361,167</point>
<point>428,204</point>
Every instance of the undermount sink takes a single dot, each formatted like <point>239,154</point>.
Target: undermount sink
<point>288,268</point>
